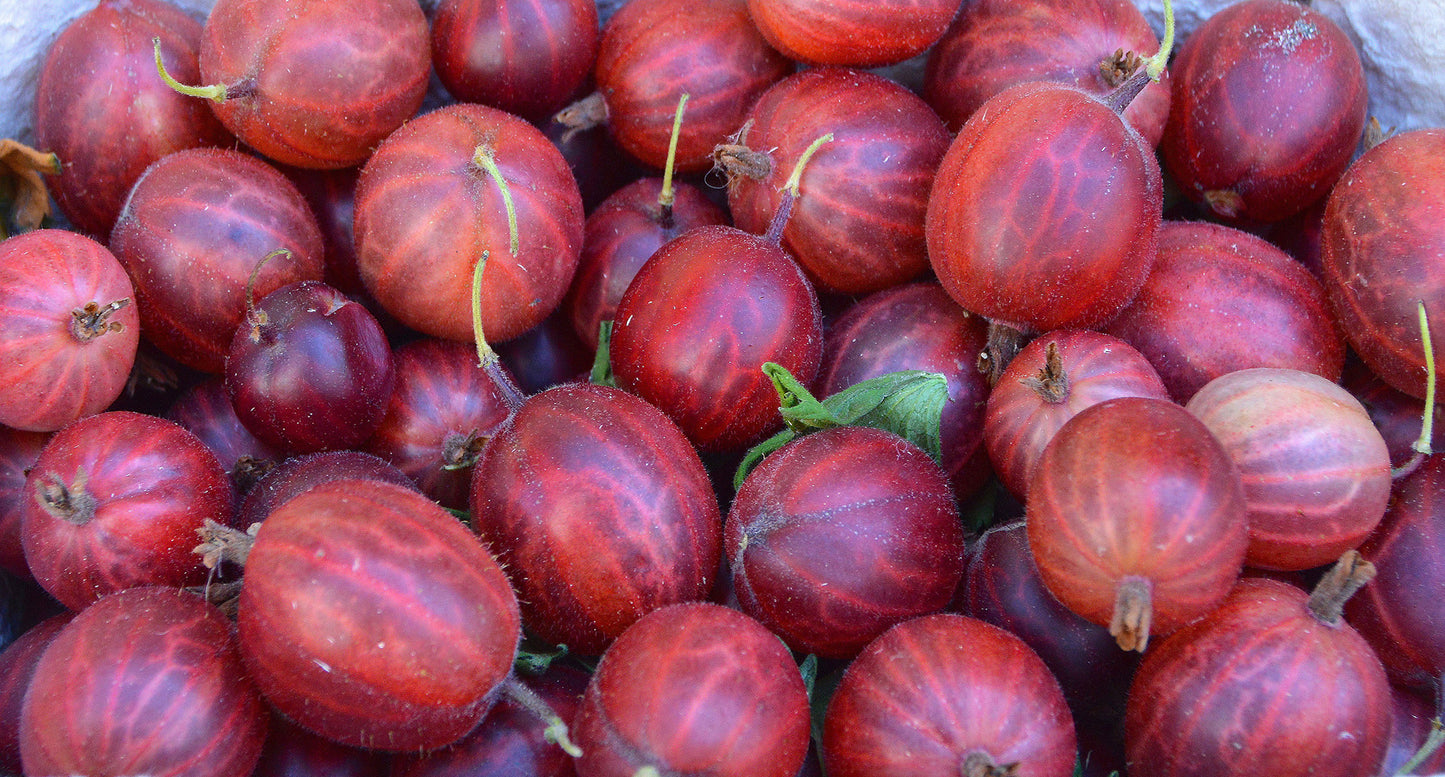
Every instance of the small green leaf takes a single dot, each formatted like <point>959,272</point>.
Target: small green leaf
<point>823,689</point>
<point>908,403</point>
<point>809,669</point>
<point>535,662</point>
<point>602,362</point>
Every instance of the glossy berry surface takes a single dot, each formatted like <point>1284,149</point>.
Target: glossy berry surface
<point>1381,241</point>
<point>699,321</point>
<point>72,329</point>
<point>371,616</point>
<point>858,224</point>
<point>694,687</point>
<point>1267,107</point>
<point>189,710</point>
<point>840,535</point>
<point>427,211</point>
<point>1135,492</point>
<point>310,370</point>
<point>1261,686</point>
<point>101,109</point>
<point>600,510</point>
<point>321,83</point>
<point>1055,227</point>
<point>190,234</point>
<point>947,694</point>
<point>114,502</point>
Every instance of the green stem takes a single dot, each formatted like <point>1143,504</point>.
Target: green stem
<point>1155,64</point>
<point>1421,446</point>
<point>1427,425</point>
<point>602,360</point>
<point>795,179</point>
<point>487,358</point>
<point>527,699</point>
<point>790,190</point>
<point>1432,743</point>
<point>257,318</point>
<point>215,92</point>
<point>485,157</point>
<point>667,196</point>
<point>485,354</point>
<point>1153,68</point>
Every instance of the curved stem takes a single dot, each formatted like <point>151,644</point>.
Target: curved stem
<point>790,190</point>
<point>485,157</point>
<point>1432,743</point>
<point>258,318</point>
<point>1427,424</point>
<point>1155,64</point>
<point>485,354</point>
<point>795,179</point>
<point>666,197</point>
<point>527,699</point>
<point>1421,447</point>
<point>214,92</point>
<point>487,358</point>
<point>1153,68</point>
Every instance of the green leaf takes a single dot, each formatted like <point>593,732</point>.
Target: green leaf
<point>809,669</point>
<point>908,403</point>
<point>823,689</point>
<point>602,362</point>
<point>535,661</point>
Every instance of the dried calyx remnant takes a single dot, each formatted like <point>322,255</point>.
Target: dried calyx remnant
<point>93,320</point>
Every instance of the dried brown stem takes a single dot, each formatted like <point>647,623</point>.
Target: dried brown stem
<point>461,451</point>
<point>70,503</point>
<point>1348,575</point>
<point>980,764</point>
<point>1133,611</point>
<point>1375,134</point>
<point>1117,68</point>
<point>737,161</point>
<point>585,114</point>
<point>1004,343</point>
<point>93,320</point>
<point>1052,382</point>
<point>222,543</point>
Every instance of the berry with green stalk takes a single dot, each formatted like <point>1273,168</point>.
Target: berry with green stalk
<point>705,313</point>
